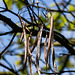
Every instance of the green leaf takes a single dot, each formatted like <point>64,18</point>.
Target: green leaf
<point>63,19</point>
<point>71,26</point>
<point>9,3</point>
<point>52,4</point>
<point>17,63</point>
<point>48,26</point>
<point>56,16</point>
<point>59,67</point>
<point>19,4</point>
<point>70,64</point>
<point>36,73</point>
<point>71,8</point>
<point>43,19</point>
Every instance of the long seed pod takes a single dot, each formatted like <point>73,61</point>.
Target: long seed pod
<point>53,54</point>
<point>50,34</point>
<point>52,46</point>
<point>45,50</point>
<point>22,35</point>
<point>38,49</point>
<point>25,40</point>
<point>35,43</point>
<point>25,43</point>
<point>30,56</point>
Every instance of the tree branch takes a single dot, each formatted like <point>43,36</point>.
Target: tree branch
<point>9,69</point>
<point>8,45</point>
<point>56,37</point>
<point>6,33</point>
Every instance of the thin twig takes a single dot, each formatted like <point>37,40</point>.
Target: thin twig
<point>57,72</point>
<point>8,45</point>
<point>5,4</point>
<point>7,62</point>
<point>6,33</point>
<point>53,10</point>
<point>15,72</point>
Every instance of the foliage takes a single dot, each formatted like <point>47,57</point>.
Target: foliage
<point>10,3</point>
<point>61,62</point>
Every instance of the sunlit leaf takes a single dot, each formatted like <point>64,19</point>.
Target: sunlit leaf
<point>9,3</point>
<point>36,73</point>
<point>63,19</point>
<point>52,4</point>
<point>19,4</point>
<point>17,63</point>
<point>71,27</point>
<point>71,8</point>
<point>48,26</point>
<point>24,72</point>
<point>70,64</point>
<point>56,16</point>
<point>43,19</point>
<point>60,67</point>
